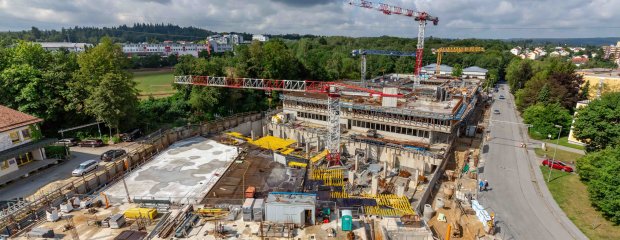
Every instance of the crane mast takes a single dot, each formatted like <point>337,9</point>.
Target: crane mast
<point>420,17</point>
<point>331,89</point>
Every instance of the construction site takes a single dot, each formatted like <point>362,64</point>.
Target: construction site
<point>392,157</point>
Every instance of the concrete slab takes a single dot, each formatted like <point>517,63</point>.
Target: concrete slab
<point>183,173</point>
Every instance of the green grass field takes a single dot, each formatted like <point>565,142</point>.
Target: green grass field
<point>564,142</point>
<point>564,156</point>
<point>155,84</point>
<point>572,196</point>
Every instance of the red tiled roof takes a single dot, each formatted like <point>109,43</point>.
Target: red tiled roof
<point>10,119</point>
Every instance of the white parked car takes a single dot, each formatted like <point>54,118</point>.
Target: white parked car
<point>85,167</point>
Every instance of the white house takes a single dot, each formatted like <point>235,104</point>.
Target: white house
<point>71,47</point>
<point>18,146</point>
<point>260,37</point>
<point>515,51</point>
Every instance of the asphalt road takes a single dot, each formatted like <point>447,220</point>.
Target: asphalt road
<point>27,186</point>
<point>521,208</point>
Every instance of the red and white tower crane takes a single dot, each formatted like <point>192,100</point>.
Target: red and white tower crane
<point>421,17</point>
<point>331,89</point>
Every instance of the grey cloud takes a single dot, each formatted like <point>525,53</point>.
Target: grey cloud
<point>458,18</point>
<point>304,3</point>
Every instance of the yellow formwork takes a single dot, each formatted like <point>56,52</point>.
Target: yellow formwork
<point>287,151</point>
<point>387,204</point>
<point>319,156</point>
<point>272,143</point>
<point>297,164</point>
<point>238,135</point>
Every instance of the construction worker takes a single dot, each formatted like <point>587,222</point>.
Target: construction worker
<point>486,185</point>
<point>481,185</point>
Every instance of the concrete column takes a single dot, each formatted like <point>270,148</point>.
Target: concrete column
<point>385,170</point>
<point>307,147</point>
<point>400,190</point>
<point>357,159</point>
<point>374,185</point>
<point>252,134</point>
<point>351,177</point>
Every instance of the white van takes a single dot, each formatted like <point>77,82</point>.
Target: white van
<point>85,167</point>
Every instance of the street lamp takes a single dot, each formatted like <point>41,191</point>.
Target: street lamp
<point>557,143</point>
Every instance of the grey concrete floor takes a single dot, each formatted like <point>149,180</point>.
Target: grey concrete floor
<point>518,195</point>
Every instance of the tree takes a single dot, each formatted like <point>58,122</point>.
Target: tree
<point>599,171</point>
<point>585,91</point>
<point>544,118</point>
<point>598,123</point>
<point>457,70</point>
<point>543,95</point>
<point>518,73</point>
<point>114,100</point>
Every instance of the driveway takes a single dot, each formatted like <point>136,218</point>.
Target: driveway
<point>27,186</point>
<point>517,199</point>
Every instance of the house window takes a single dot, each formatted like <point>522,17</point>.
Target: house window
<point>4,165</point>
<point>14,137</point>
<point>26,134</point>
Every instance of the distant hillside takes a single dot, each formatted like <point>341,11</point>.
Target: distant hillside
<point>570,41</point>
<point>139,32</point>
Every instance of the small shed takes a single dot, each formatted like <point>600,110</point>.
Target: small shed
<point>290,207</point>
<point>117,221</point>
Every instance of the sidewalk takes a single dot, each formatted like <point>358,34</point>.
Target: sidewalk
<point>541,186</point>
<point>568,149</point>
<point>27,169</point>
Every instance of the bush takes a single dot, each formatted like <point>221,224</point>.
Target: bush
<point>599,171</point>
<point>56,152</point>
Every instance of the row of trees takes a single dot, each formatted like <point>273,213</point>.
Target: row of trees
<point>66,88</point>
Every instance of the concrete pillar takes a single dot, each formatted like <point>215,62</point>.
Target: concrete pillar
<point>307,148</point>
<point>351,177</point>
<point>400,190</point>
<point>374,185</point>
<point>252,134</point>
<point>385,170</point>
<point>394,156</point>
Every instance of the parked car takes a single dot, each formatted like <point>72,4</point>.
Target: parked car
<point>501,97</point>
<point>112,154</point>
<point>70,142</point>
<point>131,135</point>
<point>496,111</point>
<point>85,167</point>
<point>559,165</point>
<point>91,143</point>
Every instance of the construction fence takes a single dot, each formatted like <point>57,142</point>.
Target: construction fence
<point>25,212</point>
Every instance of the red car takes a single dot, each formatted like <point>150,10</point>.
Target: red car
<point>557,165</point>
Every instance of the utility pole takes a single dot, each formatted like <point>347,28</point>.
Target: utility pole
<point>557,143</point>
<point>126,190</point>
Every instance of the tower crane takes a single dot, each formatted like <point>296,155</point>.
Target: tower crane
<point>331,89</point>
<point>364,52</point>
<point>421,17</point>
<point>442,50</point>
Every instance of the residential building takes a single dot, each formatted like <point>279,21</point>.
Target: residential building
<point>580,60</point>
<point>601,80</point>
<point>571,137</point>
<point>515,51</point>
<point>532,55</point>
<point>19,145</point>
<point>260,38</point>
<point>226,39</point>
<point>612,52</point>
<point>554,54</point>
<point>71,47</point>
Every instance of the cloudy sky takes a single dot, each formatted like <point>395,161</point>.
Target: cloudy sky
<point>458,18</point>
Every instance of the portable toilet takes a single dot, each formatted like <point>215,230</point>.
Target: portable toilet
<point>347,220</point>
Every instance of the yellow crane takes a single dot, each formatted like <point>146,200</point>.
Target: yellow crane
<point>442,50</point>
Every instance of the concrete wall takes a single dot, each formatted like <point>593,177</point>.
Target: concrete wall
<point>395,157</point>
<point>12,166</point>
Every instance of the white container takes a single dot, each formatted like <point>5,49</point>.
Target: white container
<point>66,207</point>
<point>52,215</point>
<point>439,204</point>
